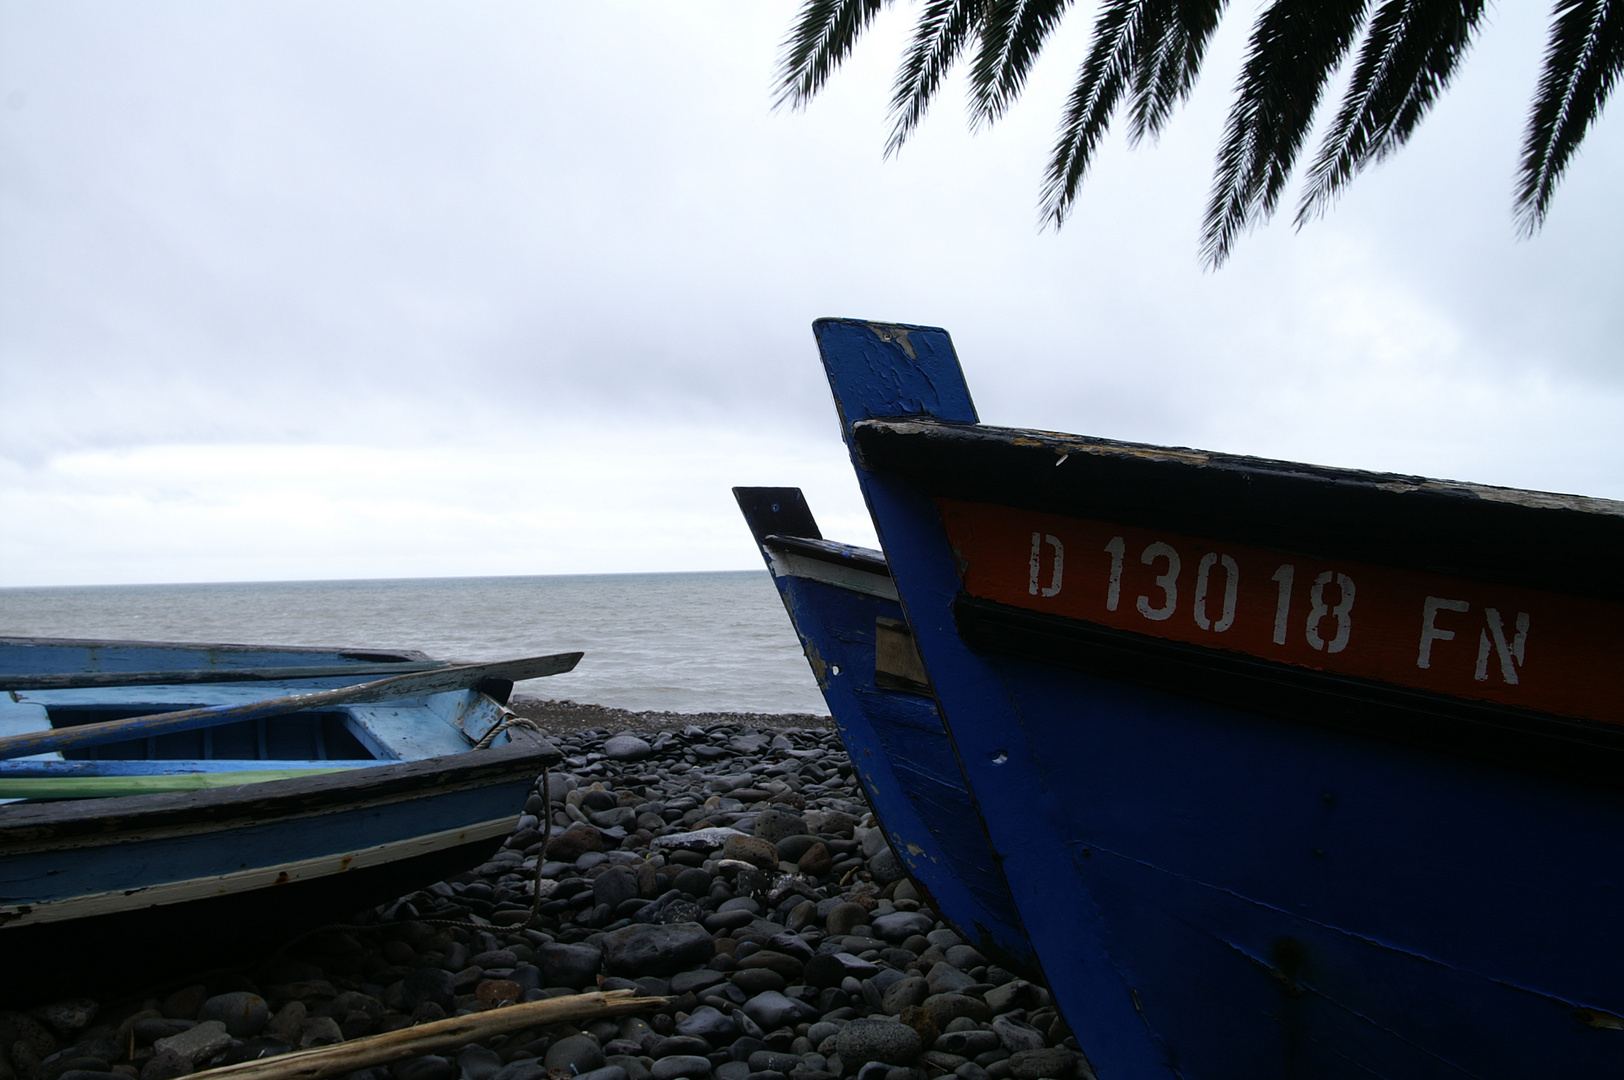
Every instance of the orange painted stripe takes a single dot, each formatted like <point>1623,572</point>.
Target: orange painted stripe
<point>1522,647</point>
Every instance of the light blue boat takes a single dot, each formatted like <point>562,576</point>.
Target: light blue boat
<point>176,806</point>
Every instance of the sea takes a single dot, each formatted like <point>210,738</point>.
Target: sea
<point>682,642</point>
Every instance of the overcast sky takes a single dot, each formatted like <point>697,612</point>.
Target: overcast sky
<point>336,290</point>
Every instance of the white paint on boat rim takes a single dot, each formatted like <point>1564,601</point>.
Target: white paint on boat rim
<point>259,877</point>
<point>791,564</point>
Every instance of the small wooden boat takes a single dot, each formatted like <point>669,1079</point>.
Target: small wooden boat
<point>1293,771</point>
<point>843,605</point>
<point>179,806</point>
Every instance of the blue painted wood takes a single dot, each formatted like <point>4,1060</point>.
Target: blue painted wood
<point>421,780</point>
<point>399,688</point>
<point>27,767</point>
<point>1217,892</point>
<point>206,852</point>
<point>896,739</point>
<point>67,655</point>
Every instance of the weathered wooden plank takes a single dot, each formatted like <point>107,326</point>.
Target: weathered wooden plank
<point>420,684</point>
<point>85,679</point>
<point>455,1031</point>
<point>112,786</point>
<point>173,766</point>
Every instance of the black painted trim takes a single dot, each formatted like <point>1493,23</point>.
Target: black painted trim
<point>865,559</point>
<point>1553,745</point>
<point>1560,543</point>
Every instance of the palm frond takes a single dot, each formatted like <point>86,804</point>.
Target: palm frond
<point>1105,74</point>
<point>1410,53</point>
<point>821,38</point>
<point>1012,35</point>
<point>1295,46</point>
<point>1583,61</point>
<point>1172,46</point>
<point>940,35</point>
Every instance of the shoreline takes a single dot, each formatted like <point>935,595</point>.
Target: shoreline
<point>566,716</point>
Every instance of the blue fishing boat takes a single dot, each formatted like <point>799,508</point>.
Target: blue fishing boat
<point>174,806</point>
<point>1292,771</point>
<point>844,608</point>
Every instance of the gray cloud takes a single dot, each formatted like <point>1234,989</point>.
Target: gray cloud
<point>410,226</point>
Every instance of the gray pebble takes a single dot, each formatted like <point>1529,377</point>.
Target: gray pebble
<point>199,1043</point>
<point>878,1040</point>
<point>690,1065</point>
<point>901,925</point>
<point>243,1014</point>
<point>626,748</point>
<point>656,949</point>
<point>575,1053</point>
<point>1017,1036</point>
<point>772,1010</point>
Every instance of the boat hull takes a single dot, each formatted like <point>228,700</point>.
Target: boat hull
<point>893,733</point>
<point>1223,874</point>
<point>157,885</point>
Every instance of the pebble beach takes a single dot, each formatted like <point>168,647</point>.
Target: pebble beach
<point>728,863</point>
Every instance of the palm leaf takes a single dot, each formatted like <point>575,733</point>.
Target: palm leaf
<point>1149,48</point>
<point>1012,35</point>
<point>1582,62</point>
<point>821,38</point>
<point>1172,46</point>
<point>1410,53</point>
<point>939,37</point>
<point>1295,46</point>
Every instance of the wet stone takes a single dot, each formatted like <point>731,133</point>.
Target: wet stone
<point>243,1014</point>
<point>576,1054</point>
<point>197,1043</point>
<point>743,885</point>
<point>656,949</point>
<point>669,1068</point>
<point>707,1022</point>
<point>627,747</point>
<point>427,1067</point>
<point>879,1040</point>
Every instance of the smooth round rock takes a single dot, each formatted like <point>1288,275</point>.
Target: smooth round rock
<point>903,993</point>
<point>1017,1036</point>
<point>568,965</point>
<point>878,1040</point>
<point>244,1015</point>
<point>656,949</point>
<point>775,825</point>
<point>886,867</point>
<point>574,1053</point>
<point>626,748</point>
<point>690,1065</point>
<point>427,1067</point>
<point>709,1024</point>
<point>901,925</point>
<point>772,1010</point>
<point>753,850</point>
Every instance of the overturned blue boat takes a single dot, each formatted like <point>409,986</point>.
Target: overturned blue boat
<point>1292,771</point>
<point>844,608</point>
<point>170,807</point>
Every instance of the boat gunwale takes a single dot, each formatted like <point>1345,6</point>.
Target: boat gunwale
<point>865,559</point>
<point>1435,526</point>
<point>90,822</point>
<point>360,655</point>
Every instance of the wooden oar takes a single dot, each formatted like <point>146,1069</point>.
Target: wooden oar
<point>420,684</point>
<point>76,680</point>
